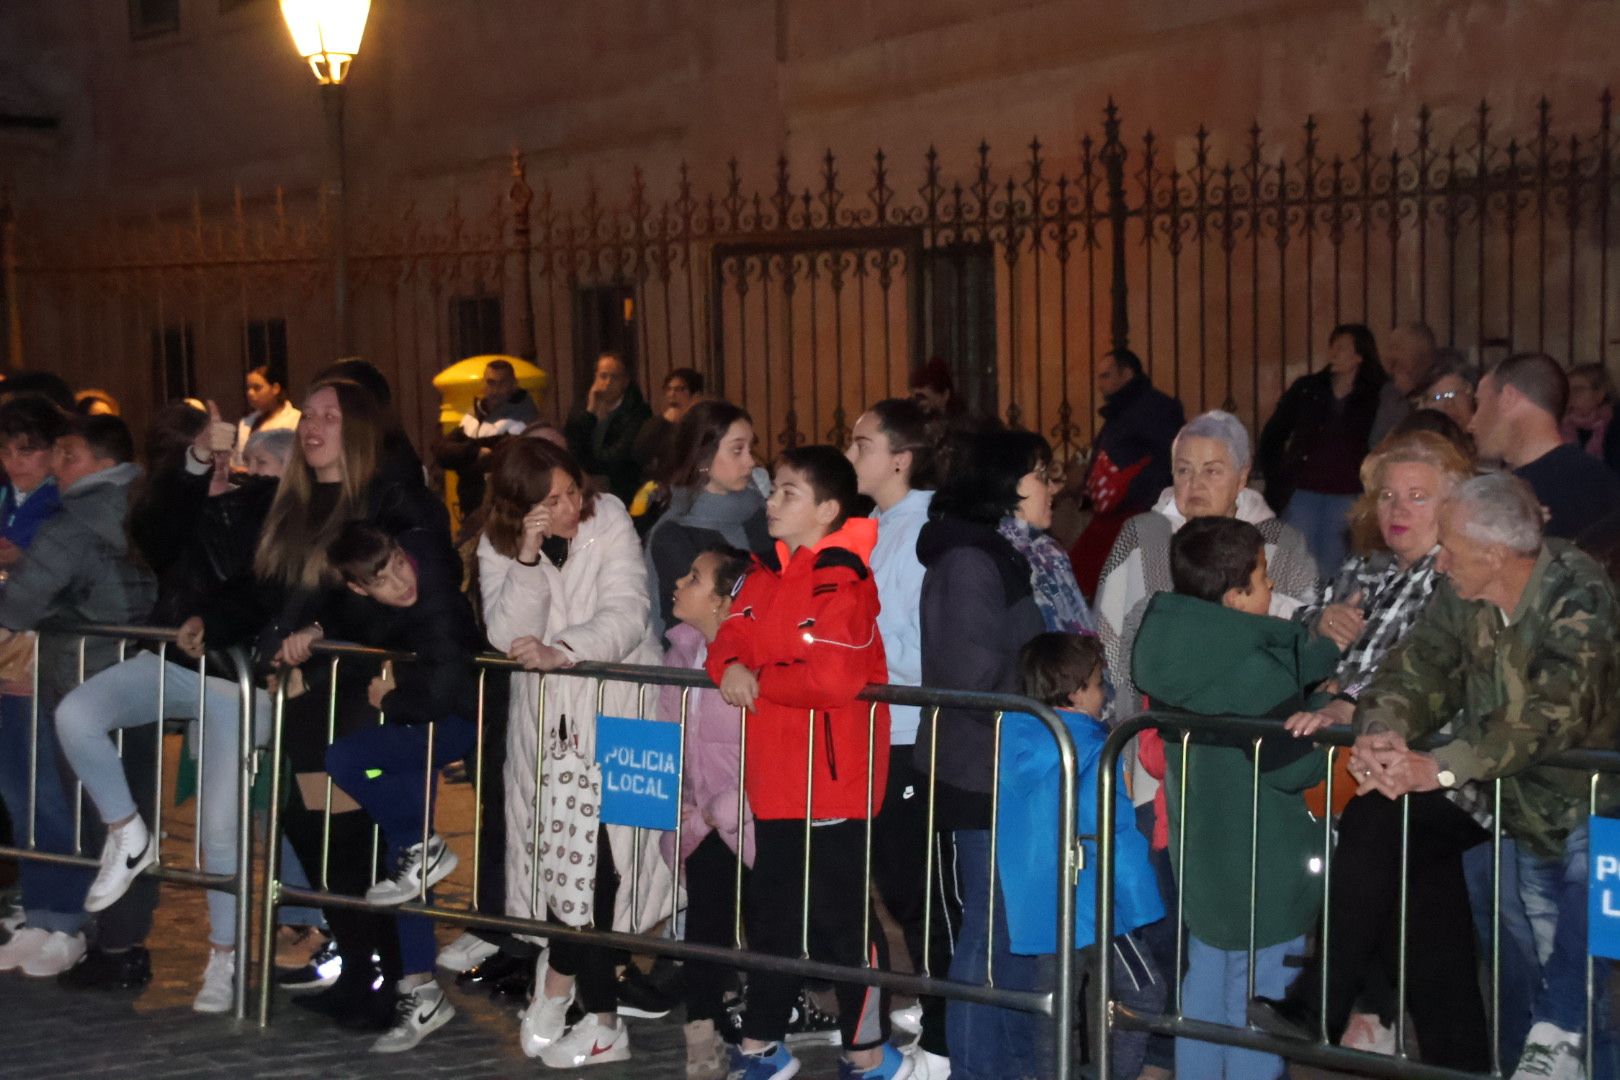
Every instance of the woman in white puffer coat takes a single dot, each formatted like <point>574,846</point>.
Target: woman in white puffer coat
<point>562,579</point>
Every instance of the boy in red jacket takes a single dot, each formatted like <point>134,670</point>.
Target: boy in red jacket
<point>800,644</point>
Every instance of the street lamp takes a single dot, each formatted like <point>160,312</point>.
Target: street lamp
<point>327,34</point>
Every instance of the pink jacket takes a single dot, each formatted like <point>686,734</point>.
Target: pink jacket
<point>710,771</point>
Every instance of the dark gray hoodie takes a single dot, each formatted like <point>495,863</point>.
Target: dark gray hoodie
<point>78,570</point>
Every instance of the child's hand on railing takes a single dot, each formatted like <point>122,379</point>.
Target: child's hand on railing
<point>739,687</point>
<point>295,650</point>
<point>382,685</point>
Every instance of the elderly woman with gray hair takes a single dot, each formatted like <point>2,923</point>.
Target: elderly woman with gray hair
<point>1209,470</point>
<point>1209,464</point>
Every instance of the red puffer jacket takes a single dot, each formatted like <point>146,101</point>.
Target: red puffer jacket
<point>809,631</point>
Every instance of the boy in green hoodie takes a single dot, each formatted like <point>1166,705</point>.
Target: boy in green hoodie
<point>1211,648</point>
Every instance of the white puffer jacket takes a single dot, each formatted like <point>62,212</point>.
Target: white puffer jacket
<point>596,609</point>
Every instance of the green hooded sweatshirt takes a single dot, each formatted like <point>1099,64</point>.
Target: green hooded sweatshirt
<point>1198,657</point>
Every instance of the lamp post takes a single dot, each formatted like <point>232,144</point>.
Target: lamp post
<point>327,34</point>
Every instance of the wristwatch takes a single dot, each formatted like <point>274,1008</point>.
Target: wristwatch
<point>1447,778</point>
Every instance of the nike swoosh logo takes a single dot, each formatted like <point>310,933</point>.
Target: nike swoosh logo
<point>424,1017</point>
<point>598,1048</point>
<point>131,860</point>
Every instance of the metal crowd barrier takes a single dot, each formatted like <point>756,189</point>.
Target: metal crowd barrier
<point>1113,1016</point>
<point>1058,1002</point>
<point>240,882</point>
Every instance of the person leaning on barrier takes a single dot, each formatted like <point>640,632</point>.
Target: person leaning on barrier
<point>1211,648</point>
<point>342,469</point>
<point>976,612</point>
<point>563,582</point>
<point>1518,654</point>
<point>52,897</point>
<point>801,642</point>
<point>80,568</point>
<point>410,602</point>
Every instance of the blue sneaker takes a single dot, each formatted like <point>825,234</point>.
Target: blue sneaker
<point>894,1066</point>
<point>777,1063</point>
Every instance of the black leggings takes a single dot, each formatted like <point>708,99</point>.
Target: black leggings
<point>596,986</point>
<point>1442,974</point>
<point>711,919</point>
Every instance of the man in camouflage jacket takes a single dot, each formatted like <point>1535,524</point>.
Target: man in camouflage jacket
<point>1515,659</point>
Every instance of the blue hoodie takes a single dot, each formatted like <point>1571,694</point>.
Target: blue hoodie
<point>21,519</point>
<point>1027,849</point>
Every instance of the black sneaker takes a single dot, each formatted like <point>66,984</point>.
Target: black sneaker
<point>640,995</point>
<point>810,1024</point>
<point>730,1024</point>
<point>102,970</point>
<point>323,969</point>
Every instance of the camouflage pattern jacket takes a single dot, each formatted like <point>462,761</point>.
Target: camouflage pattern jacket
<point>1515,689</point>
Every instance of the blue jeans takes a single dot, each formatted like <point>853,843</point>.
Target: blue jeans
<point>125,695</point>
<point>52,896</point>
<point>1521,970</point>
<point>384,769</point>
<point>1325,521</point>
<point>987,1043</point>
<point>1217,990</point>
<point>1555,897</point>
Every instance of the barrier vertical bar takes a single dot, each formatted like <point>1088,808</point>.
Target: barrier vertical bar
<point>742,823</point>
<point>157,765</point>
<point>429,776</point>
<point>1496,926</point>
<point>680,816</point>
<point>272,859</point>
<point>246,758</point>
<point>326,817</point>
<point>478,793</point>
<point>1254,862</point>
<point>33,752</point>
<point>928,856</point>
<point>1591,965</point>
<point>995,821</point>
<point>1068,879</point>
<point>1400,959</point>
<point>1327,889</point>
<point>1181,868</point>
<point>809,785</point>
<point>539,779</point>
<point>78,785</point>
<point>202,760</point>
<point>866,879</point>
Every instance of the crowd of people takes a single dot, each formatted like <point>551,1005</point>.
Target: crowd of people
<point>1429,552</point>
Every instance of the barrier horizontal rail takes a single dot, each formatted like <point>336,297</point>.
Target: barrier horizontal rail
<point>239,882</point>
<point>1111,1015</point>
<point>1058,1002</point>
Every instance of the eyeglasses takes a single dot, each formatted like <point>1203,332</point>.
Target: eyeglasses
<point>1049,474</point>
<point>1446,395</point>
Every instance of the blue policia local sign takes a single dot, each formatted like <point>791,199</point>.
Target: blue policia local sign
<point>1603,897</point>
<point>641,771</point>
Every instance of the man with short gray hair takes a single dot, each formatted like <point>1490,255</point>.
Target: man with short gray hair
<point>1517,658</point>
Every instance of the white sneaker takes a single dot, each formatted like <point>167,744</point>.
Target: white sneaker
<point>23,947</point>
<point>465,953</point>
<point>908,1020</point>
<point>588,1042</point>
<point>926,1066</point>
<point>127,852</point>
<point>215,995</point>
<point>60,952</point>
<point>1550,1053</point>
<point>419,1014</point>
<point>544,1021</point>
<point>406,884</point>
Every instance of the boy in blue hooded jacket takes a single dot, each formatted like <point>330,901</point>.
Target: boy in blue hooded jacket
<point>1066,672</point>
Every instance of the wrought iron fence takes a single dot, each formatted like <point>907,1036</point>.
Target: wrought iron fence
<point>1222,258</point>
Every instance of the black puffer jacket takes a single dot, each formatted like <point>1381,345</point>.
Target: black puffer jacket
<point>977,613</point>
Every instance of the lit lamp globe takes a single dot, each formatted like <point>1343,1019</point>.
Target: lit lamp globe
<point>327,33</point>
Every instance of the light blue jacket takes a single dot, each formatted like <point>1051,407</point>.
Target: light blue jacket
<point>1027,828</point>
<point>899,578</point>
